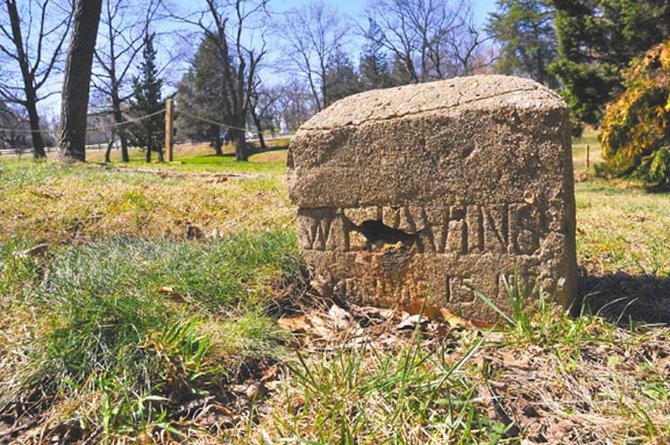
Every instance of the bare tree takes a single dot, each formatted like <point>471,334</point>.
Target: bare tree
<point>295,104</point>
<point>14,128</point>
<point>314,35</point>
<point>31,39</point>
<point>469,51</point>
<point>431,39</point>
<point>232,27</point>
<point>123,25</point>
<point>263,102</point>
<point>76,85</point>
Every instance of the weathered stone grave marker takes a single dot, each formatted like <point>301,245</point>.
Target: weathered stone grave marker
<point>432,189</point>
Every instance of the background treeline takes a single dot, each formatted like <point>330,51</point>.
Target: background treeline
<point>247,68</point>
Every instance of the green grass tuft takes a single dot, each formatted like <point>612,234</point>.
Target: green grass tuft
<point>125,331</point>
<point>413,395</point>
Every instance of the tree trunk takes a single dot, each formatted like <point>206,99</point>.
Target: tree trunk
<point>124,147</point>
<point>76,84</point>
<point>147,155</point>
<point>540,69</point>
<point>240,146</point>
<point>160,153</point>
<point>36,134</point>
<point>28,81</point>
<point>218,141</point>
<point>315,93</point>
<point>118,119</point>
<point>259,128</point>
<point>108,152</point>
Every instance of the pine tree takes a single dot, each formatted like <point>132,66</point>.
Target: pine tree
<point>341,78</point>
<point>147,99</point>
<point>400,75</point>
<point>190,103</point>
<point>524,29</point>
<point>374,70</point>
<point>203,92</point>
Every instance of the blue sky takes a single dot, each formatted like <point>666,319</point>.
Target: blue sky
<point>354,8</point>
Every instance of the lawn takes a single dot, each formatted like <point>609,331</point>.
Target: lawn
<point>169,303</point>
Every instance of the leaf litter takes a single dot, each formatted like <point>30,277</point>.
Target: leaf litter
<point>549,394</point>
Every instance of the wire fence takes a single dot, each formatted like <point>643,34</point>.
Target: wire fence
<point>132,121</point>
<point>213,122</point>
<point>114,126</point>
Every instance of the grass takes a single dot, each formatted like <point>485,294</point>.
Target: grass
<point>141,303</point>
<point>368,396</point>
<point>623,229</point>
<point>54,203</point>
<point>200,157</point>
<point>119,334</point>
<point>594,380</point>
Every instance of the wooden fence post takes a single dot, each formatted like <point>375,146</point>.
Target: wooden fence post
<point>169,124</point>
<point>588,155</point>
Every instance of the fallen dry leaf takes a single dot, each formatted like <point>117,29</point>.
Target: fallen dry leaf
<point>39,249</point>
<point>454,320</point>
<point>297,324</point>
<point>481,324</point>
<point>166,290</point>
<point>430,311</point>
<point>176,296</point>
<point>411,321</point>
<point>322,286</point>
<point>371,312</point>
<point>322,327</point>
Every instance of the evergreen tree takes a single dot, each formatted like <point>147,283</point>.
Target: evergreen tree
<point>400,75</point>
<point>374,70</point>
<point>147,99</point>
<point>201,93</point>
<point>524,29</point>
<point>597,39</point>
<point>341,79</point>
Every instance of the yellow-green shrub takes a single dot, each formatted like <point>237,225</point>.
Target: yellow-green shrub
<point>636,128</point>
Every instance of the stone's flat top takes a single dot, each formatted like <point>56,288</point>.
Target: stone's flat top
<point>481,91</point>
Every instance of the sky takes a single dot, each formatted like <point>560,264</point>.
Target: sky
<point>354,8</point>
<point>270,74</point>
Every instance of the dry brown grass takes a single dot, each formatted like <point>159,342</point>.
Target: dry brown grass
<point>615,391</point>
<point>583,382</point>
<point>570,380</point>
<point>91,202</point>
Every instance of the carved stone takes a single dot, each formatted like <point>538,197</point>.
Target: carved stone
<point>435,189</point>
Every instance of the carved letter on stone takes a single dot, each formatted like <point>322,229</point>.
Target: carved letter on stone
<point>437,192</point>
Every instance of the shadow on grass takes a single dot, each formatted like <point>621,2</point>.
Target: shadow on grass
<point>659,188</point>
<point>622,298</point>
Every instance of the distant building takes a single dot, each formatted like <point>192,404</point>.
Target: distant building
<point>283,127</point>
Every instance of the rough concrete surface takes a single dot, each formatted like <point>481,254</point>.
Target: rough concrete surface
<point>436,189</point>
